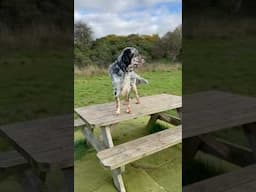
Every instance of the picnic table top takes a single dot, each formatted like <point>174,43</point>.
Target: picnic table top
<point>104,114</point>
<point>211,111</point>
<point>46,141</point>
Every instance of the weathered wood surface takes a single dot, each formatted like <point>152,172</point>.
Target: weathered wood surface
<point>78,123</point>
<point>104,114</point>
<point>92,140</point>
<point>211,111</point>
<point>11,159</point>
<point>242,180</point>
<point>231,152</point>
<point>169,119</point>
<point>46,141</point>
<point>131,151</point>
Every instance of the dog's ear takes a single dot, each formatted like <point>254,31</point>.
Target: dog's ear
<point>127,57</point>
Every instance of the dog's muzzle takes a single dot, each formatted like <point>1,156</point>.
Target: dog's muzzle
<point>138,61</point>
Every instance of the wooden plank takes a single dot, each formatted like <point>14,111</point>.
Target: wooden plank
<point>230,152</point>
<point>118,180</point>
<point>107,138</point>
<point>241,179</point>
<point>152,120</point>
<point>190,147</point>
<point>131,151</point>
<point>11,159</point>
<point>216,111</point>
<point>90,138</point>
<point>104,114</point>
<point>78,123</point>
<point>169,119</point>
<point>43,141</point>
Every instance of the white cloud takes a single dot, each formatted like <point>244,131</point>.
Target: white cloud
<point>116,5</point>
<point>146,21</point>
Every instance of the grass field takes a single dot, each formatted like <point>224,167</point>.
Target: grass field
<point>153,173</point>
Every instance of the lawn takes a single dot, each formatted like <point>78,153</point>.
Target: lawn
<point>152,173</point>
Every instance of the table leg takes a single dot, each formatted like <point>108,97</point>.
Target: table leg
<point>107,138</point>
<point>118,180</point>
<point>179,112</point>
<point>190,147</point>
<point>152,120</point>
<point>116,173</point>
<point>91,139</point>
<point>250,133</point>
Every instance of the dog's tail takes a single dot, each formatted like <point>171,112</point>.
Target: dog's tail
<point>140,80</point>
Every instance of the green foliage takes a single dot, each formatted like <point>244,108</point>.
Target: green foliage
<point>169,46</point>
<point>105,50</point>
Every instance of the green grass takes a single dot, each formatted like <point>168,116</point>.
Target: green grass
<point>37,84</point>
<point>223,64</point>
<point>152,173</point>
<point>98,89</point>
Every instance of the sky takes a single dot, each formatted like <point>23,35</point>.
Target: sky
<point>123,17</point>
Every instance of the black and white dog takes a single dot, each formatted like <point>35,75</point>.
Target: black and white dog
<point>124,79</point>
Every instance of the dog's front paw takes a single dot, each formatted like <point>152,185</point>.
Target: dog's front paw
<point>138,102</point>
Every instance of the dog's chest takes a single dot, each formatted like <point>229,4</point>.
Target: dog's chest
<point>126,86</point>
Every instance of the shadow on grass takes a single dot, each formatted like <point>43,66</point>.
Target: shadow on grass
<point>204,170</point>
<point>81,148</point>
<point>157,127</point>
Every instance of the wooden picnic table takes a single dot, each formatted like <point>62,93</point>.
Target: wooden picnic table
<point>211,111</point>
<point>206,113</point>
<point>116,157</point>
<point>41,143</point>
<point>104,117</point>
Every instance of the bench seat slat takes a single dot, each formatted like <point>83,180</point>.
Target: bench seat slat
<point>131,151</point>
<point>229,182</point>
<point>11,159</point>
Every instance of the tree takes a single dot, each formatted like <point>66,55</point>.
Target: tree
<point>82,35</point>
<point>169,46</point>
<point>176,42</point>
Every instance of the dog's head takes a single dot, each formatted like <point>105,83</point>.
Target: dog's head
<point>130,57</point>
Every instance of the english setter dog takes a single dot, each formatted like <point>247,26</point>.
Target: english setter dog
<point>124,79</point>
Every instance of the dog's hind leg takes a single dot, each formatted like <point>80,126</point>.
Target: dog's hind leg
<point>134,88</point>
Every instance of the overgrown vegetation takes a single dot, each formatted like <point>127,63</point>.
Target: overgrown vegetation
<point>103,51</point>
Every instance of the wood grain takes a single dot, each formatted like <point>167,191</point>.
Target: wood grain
<point>104,114</point>
<point>45,141</point>
<point>131,151</point>
<point>242,180</point>
<point>211,111</point>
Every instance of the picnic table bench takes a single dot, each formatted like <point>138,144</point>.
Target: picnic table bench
<point>116,157</point>
<point>242,180</point>
<point>205,113</point>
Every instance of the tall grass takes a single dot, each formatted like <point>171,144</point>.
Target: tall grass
<point>95,70</point>
<point>35,36</point>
